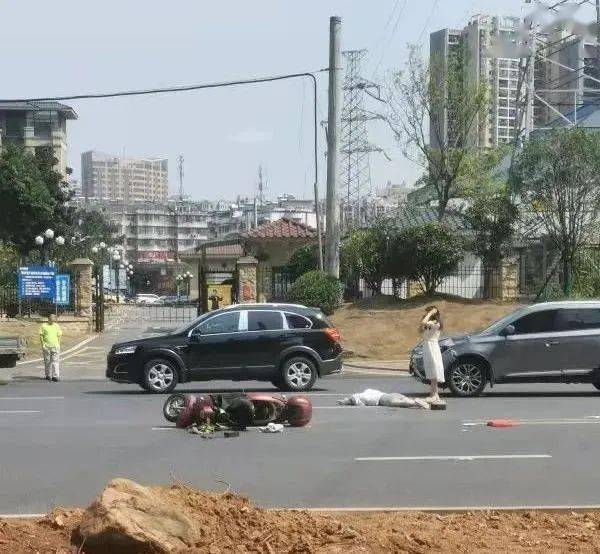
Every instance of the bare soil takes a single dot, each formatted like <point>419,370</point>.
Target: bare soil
<point>229,523</point>
<point>384,328</point>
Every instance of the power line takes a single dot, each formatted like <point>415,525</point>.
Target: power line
<point>428,21</point>
<point>391,38</point>
<point>183,88</point>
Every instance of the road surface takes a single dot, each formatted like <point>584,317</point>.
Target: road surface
<point>62,442</point>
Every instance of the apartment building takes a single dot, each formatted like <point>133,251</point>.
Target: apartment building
<point>480,65</point>
<point>107,177</point>
<point>37,124</point>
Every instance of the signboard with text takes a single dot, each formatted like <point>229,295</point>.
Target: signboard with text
<point>36,281</point>
<point>63,290</point>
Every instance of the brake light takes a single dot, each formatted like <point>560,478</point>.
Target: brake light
<point>333,334</point>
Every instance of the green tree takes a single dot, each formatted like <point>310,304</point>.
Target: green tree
<point>364,253</point>
<point>33,195</point>
<point>429,252</point>
<point>557,179</point>
<point>434,114</point>
<point>491,218</point>
<point>303,260</point>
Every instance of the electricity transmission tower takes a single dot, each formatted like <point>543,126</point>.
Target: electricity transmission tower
<point>567,82</point>
<point>355,149</point>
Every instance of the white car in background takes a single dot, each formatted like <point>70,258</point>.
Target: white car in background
<point>146,299</point>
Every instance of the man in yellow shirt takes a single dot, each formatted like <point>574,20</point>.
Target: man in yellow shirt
<point>50,334</point>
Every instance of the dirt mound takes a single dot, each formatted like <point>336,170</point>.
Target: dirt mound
<point>225,522</point>
<point>130,518</point>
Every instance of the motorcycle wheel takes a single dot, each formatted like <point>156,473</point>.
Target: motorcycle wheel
<point>175,404</point>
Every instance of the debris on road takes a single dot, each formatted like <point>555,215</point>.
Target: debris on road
<point>272,428</point>
<point>502,423</point>
<point>372,397</point>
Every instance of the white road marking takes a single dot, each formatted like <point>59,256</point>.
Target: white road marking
<point>78,345</point>
<point>566,421</point>
<point>20,412</point>
<point>32,397</point>
<point>453,458</point>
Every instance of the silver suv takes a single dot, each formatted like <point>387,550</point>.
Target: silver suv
<point>553,342</point>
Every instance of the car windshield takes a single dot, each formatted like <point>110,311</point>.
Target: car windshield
<point>497,326</point>
<point>190,324</point>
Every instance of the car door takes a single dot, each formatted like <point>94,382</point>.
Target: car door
<point>263,339</point>
<point>527,354</point>
<point>213,350</point>
<point>578,345</point>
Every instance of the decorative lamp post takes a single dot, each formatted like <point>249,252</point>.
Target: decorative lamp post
<point>45,241</point>
<point>117,258</point>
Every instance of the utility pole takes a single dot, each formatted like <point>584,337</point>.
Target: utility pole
<point>597,39</point>
<point>332,235</point>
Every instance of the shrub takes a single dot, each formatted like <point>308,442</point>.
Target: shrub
<point>317,289</point>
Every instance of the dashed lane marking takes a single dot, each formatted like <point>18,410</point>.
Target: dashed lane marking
<point>453,458</point>
<point>32,397</point>
<point>565,421</point>
<point>20,412</point>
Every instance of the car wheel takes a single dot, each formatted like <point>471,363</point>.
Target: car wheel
<point>298,374</point>
<point>175,404</point>
<point>160,376</point>
<point>467,377</point>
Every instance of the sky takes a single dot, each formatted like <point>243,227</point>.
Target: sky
<point>72,46</point>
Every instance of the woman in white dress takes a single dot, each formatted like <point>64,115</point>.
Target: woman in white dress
<point>431,325</point>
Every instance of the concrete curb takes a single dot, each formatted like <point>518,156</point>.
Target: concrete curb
<point>400,509</point>
<point>400,365</point>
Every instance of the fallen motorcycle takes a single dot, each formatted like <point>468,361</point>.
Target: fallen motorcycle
<point>237,410</point>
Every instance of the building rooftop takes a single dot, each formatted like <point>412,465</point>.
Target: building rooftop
<point>67,111</point>
<point>283,228</point>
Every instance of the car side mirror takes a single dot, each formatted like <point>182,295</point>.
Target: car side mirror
<point>195,336</point>
<point>508,331</point>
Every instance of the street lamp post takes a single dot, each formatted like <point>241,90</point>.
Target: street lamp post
<point>117,258</point>
<point>45,241</point>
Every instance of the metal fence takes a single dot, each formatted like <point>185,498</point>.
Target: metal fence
<point>273,283</point>
<point>11,306</point>
<point>471,282</point>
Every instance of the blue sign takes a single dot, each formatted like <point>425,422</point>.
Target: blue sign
<point>36,281</point>
<point>63,290</point>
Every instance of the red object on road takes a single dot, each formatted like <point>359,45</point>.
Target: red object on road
<point>502,423</point>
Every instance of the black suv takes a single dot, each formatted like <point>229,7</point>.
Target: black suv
<point>286,344</point>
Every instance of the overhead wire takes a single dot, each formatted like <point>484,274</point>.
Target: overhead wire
<point>161,90</point>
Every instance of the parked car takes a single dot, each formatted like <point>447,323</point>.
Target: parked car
<point>552,342</point>
<point>288,345</point>
<point>146,298</point>
<point>181,300</point>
